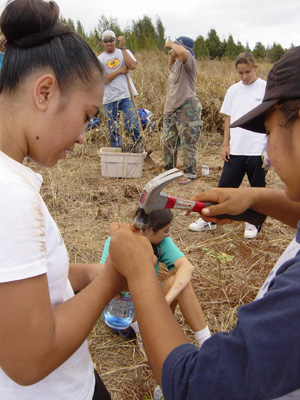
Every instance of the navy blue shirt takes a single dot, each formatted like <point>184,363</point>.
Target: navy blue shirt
<point>258,360</point>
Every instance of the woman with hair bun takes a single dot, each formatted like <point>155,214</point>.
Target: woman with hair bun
<point>51,85</point>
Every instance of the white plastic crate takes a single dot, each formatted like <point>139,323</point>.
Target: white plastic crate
<point>115,164</point>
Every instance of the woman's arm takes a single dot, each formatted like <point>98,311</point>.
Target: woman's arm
<point>226,141</point>
<point>35,338</point>
<point>271,202</point>
<point>183,276</point>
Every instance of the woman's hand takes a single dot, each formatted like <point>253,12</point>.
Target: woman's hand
<point>129,252</point>
<point>229,201</point>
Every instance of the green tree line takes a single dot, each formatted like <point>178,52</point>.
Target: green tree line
<point>145,35</point>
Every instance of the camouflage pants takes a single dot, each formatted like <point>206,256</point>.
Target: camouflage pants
<point>183,128</point>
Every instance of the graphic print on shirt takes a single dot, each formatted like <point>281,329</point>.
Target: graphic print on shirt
<point>113,64</point>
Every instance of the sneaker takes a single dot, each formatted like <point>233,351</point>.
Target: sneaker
<point>201,225</point>
<point>140,346</point>
<point>250,231</point>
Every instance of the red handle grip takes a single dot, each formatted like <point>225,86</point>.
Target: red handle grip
<point>175,202</point>
<point>251,216</point>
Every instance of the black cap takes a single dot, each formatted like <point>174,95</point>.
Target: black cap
<point>283,84</point>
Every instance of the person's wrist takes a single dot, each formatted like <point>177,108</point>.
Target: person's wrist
<point>123,47</point>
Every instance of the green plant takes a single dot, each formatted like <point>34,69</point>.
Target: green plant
<point>223,257</point>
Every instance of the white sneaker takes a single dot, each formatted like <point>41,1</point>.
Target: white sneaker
<point>250,231</point>
<point>201,225</point>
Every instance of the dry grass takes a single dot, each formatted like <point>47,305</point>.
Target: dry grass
<point>83,204</point>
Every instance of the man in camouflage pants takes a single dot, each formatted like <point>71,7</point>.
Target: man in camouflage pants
<point>182,111</point>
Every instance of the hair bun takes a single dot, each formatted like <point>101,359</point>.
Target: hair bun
<point>27,23</point>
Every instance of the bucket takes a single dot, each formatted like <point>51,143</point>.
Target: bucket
<point>115,164</point>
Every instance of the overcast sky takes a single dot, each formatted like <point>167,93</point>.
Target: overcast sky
<point>266,21</point>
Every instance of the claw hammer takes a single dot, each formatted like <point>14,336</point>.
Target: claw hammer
<point>152,198</point>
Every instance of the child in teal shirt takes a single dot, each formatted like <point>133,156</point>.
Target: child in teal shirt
<point>177,288</point>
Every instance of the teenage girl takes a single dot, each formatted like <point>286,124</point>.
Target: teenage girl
<point>51,85</point>
<point>242,149</point>
<point>177,288</point>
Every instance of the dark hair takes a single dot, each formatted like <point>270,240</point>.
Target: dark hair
<point>246,58</point>
<point>36,39</point>
<point>158,219</point>
<point>290,111</point>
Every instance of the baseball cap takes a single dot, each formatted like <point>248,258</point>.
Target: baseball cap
<point>283,84</point>
<point>108,33</point>
<point>186,42</point>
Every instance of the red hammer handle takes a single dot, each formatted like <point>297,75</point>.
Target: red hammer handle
<point>175,202</point>
<point>251,216</point>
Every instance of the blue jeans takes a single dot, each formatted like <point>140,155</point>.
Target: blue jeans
<point>112,112</point>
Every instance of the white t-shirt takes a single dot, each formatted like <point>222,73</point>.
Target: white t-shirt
<point>117,89</point>
<point>31,245</point>
<point>239,100</point>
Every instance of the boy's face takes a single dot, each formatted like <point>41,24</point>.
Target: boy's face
<point>109,44</point>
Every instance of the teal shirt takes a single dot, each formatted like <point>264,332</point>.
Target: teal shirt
<point>167,250</point>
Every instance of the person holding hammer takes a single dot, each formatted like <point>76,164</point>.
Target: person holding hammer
<point>260,358</point>
<point>119,88</point>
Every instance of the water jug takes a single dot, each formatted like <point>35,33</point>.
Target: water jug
<point>118,314</point>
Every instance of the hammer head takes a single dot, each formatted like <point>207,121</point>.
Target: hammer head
<point>152,198</point>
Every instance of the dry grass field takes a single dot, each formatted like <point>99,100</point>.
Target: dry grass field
<point>228,268</point>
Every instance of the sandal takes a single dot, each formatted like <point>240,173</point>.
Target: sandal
<point>185,180</point>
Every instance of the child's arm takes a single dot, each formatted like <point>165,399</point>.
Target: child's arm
<point>183,276</point>
<point>81,275</point>
<point>226,149</point>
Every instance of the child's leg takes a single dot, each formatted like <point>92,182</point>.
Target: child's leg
<point>193,314</point>
<point>191,310</point>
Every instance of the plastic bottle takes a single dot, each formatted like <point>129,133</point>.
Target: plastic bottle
<point>205,170</point>
<point>158,394</point>
<point>118,314</point>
